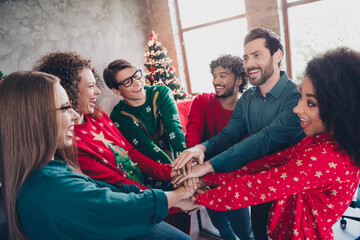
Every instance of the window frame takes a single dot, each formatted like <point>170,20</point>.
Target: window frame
<point>203,25</point>
<point>285,6</point>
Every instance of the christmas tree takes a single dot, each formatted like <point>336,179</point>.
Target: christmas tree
<point>2,76</point>
<point>160,71</point>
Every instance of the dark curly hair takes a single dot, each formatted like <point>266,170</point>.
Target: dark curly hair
<point>273,41</point>
<point>236,66</point>
<point>67,66</point>
<point>335,76</point>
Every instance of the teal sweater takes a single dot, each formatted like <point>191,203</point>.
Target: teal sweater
<point>56,203</point>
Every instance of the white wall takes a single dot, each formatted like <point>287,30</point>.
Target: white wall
<point>103,30</point>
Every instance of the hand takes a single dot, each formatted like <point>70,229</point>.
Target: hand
<point>191,184</point>
<point>177,195</point>
<point>186,169</point>
<point>197,171</point>
<point>197,152</point>
<point>194,210</point>
<point>188,206</point>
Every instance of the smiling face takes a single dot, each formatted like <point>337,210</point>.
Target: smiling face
<point>67,117</point>
<point>88,92</point>
<point>133,95</point>
<point>225,83</point>
<point>308,110</point>
<point>259,64</point>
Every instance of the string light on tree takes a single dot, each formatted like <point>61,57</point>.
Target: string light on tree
<point>160,71</point>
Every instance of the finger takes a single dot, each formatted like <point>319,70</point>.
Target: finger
<point>194,161</point>
<point>186,185</point>
<point>184,171</point>
<point>200,191</point>
<point>183,158</point>
<point>177,163</point>
<point>201,158</point>
<point>190,184</point>
<point>175,179</point>
<point>188,167</point>
<point>178,180</point>
<point>195,184</point>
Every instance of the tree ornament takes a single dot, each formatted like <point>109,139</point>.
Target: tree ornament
<point>153,36</point>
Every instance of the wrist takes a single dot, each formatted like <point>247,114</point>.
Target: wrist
<point>208,168</point>
<point>202,147</point>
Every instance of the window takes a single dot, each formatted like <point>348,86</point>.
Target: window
<point>210,28</point>
<point>319,26</point>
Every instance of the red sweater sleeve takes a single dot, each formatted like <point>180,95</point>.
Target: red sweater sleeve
<point>99,171</point>
<point>148,166</point>
<point>302,172</point>
<point>262,164</point>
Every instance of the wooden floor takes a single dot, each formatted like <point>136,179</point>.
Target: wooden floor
<point>351,232</point>
<point>206,223</point>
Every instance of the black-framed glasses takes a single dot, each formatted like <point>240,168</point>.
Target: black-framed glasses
<point>129,81</point>
<point>65,108</point>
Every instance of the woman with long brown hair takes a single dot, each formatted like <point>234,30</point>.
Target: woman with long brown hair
<point>43,197</point>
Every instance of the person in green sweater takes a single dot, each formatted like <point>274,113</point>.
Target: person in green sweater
<point>43,197</point>
<point>148,118</point>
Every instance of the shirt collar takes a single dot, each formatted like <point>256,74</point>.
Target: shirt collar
<point>279,86</point>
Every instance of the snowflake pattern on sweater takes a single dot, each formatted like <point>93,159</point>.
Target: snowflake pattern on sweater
<point>311,185</point>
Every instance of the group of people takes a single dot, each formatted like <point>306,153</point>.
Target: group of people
<point>69,171</point>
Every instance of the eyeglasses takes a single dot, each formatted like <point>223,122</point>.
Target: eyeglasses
<point>129,81</point>
<point>65,108</point>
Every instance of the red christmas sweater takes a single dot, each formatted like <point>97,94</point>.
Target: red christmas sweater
<point>96,140</point>
<point>311,185</point>
<point>206,119</point>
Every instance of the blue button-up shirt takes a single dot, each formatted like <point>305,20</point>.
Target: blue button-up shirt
<point>269,121</point>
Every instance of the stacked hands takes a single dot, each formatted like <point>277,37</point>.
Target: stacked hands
<point>188,169</point>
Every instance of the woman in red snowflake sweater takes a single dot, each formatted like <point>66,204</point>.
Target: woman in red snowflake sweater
<point>103,152</point>
<point>312,183</point>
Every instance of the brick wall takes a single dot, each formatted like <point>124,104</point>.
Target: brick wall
<point>263,13</point>
<point>160,21</point>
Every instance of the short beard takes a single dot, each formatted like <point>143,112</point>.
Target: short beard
<point>268,72</point>
<point>228,93</point>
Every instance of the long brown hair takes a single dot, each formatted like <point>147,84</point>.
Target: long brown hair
<point>28,134</point>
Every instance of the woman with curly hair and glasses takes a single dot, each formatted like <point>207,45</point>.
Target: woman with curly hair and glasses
<point>104,154</point>
<point>44,198</point>
<point>312,183</point>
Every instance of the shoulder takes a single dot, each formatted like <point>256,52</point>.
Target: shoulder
<point>99,120</point>
<point>205,97</point>
<point>157,88</point>
<point>247,94</point>
<point>116,112</point>
<point>324,147</point>
<point>161,92</point>
<point>50,177</point>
